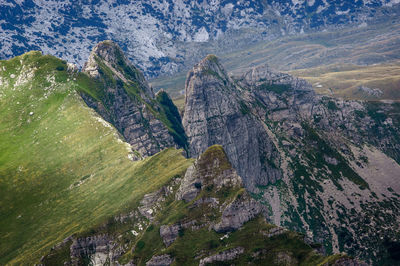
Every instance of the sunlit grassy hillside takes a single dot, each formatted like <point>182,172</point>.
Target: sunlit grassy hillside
<point>62,168</point>
<point>346,80</point>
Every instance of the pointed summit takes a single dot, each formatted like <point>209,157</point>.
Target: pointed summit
<point>108,58</point>
<point>210,65</point>
<point>124,98</point>
<point>207,73</point>
<point>215,113</point>
<point>108,51</point>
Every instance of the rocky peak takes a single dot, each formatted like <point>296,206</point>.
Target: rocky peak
<point>216,114</point>
<point>108,53</point>
<point>125,99</point>
<point>209,69</point>
<point>210,65</point>
<point>211,169</point>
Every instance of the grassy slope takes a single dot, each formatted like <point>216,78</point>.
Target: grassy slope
<point>191,245</point>
<point>344,80</point>
<point>62,170</point>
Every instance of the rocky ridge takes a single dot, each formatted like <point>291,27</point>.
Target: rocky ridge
<point>162,36</point>
<point>125,99</point>
<point>319,147</point>
<point>215,114</point>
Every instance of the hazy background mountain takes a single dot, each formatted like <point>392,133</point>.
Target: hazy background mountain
<point>163,37</point>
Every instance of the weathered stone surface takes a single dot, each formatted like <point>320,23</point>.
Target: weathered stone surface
<point>169,233</point>
<point>190,186</point>
<point>223,256</point>
<point>161,260</point>
<point>151,202</point>
<point>98,249</point>
<point>212,167</point>
<point>215,114</point>
<point>238,212</point>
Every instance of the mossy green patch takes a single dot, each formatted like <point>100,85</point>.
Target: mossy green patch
<point>321,149</point>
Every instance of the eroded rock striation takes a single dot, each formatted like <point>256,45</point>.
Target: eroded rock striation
<point>328,154</point>
<point>215,113</point>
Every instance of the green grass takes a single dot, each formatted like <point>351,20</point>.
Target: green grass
<point>62,169</point>
<point>192,243</point>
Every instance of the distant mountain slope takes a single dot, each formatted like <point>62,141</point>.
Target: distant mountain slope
<point>371,45</point>
<point>162,36</point>
<point>375,82</point>
<point>63,169</point>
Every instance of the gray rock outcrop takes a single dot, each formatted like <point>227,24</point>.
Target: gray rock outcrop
<point>223,256</point>
<point>215,114</point>
<point>169,233</point>
<point>213,170</point>
<point>238,212</point>
<point>160,260</point>
<point>98,249</point>
<point>212,167</point>
<point>127,101</point>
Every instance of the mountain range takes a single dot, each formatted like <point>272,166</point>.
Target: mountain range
<point>98,169</point>
<point>163,37</point>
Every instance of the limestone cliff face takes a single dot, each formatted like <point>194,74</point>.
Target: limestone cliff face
<point>215,114</point>
<point>125,99</point>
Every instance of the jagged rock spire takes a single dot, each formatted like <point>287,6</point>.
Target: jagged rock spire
<point>215,113</point>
